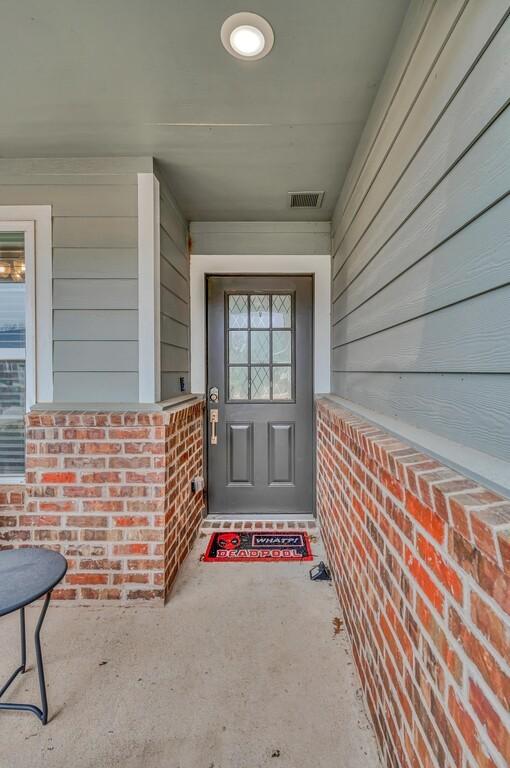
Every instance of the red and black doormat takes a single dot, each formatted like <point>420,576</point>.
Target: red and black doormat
<point>256,546</point>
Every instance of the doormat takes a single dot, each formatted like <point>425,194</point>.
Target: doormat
<point>256,546</point>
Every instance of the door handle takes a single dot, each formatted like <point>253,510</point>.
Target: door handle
<point>213,420</point>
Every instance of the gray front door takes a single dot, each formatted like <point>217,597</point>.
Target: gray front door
<point>260,394</point>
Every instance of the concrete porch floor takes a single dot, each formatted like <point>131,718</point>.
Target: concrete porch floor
<point>247,666</point>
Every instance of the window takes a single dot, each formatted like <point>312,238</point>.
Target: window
<point>26,315</point>
<point>260,347</point>
<point>12,353</point>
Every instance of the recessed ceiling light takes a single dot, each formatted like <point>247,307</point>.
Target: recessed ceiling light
<point>247,36</point>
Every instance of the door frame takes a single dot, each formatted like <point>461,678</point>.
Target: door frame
<point>262,516</point>
<point>316,265</point>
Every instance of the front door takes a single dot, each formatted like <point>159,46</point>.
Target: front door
<point>260,394</point>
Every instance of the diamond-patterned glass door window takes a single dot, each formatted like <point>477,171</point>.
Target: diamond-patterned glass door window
<point>260,349</point>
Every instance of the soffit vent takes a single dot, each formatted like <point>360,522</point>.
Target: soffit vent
<point>305,199</point>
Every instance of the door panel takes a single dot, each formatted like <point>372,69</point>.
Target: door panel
<point>240,453</point>
<point>260,449</point>
<point>281,453</point>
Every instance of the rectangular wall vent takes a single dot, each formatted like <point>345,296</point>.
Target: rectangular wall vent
<point>305,199</point>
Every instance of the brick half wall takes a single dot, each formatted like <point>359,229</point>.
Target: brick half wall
<point>112,492</point>
<point>421,562</point>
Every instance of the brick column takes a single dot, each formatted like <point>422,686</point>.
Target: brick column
<point>112,492</point>
<point>421,562</point>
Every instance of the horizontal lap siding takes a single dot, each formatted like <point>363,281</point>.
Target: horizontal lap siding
<point>421,233</point>
<point>259,238</point>
<point>95,265</point>
<point>174,297</point>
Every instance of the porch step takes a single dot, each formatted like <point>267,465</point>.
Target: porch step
<point>261,525</point>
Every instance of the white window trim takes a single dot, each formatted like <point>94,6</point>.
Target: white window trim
<point>318,265</point>
<point>149,350</point>
<point>35,222</point>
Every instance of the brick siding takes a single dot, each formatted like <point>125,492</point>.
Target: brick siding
<point>112,492</point>
<point>421,562</point>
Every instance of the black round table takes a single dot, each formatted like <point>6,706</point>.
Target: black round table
<point>25,575</point>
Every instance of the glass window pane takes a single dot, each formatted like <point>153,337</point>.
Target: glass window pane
<point>260,347</point>
<point>238,311</point>
<point>282,311</point>
<point>12,290</point>
<point>238,383</point>
<point>238,346</point>
<point>260,382</point>
<point>12,409</point>
<point>282,346</point>
<point>259,311</point>
<point>282,383</point>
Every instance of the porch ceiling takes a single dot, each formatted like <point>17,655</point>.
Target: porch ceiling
<point>131,77</point>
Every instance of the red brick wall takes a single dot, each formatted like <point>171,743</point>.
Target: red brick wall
<point>112,492</point>
<point>421,562</point>
<point>184,510</point>
<point>12,505</point>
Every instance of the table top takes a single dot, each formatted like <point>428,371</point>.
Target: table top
<point>26,574</point>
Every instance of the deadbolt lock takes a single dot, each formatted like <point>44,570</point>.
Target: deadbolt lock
<point>214,394</point>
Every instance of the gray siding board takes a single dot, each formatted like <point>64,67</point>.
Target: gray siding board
<point>173,358</point>
<point>68,200</point>
<point>174,296</point>
<point>170,382</point>
<point>174,307</point>
<point>95,262</point>
<point>35,180</point>
<point>474,261</point>
<point>273,242</point>
<point>95,355</point>
<point>480,178</point>
<point>471,409</point>
<point>77,166</point>
<point>95,232</point>
<point>95,267</point>
<point>95,324</point>
<point>95,294</point>
<point>413,29</point>
<point>172,222</point>
<point>174,332</point>
<point>173,280</point>
<point>86,387</point>
<point>421,275</point>
<point>457,71</point>
<point>178,259</point>
<point>472,336</point>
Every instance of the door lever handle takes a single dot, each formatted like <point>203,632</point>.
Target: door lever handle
<point>213,420</point>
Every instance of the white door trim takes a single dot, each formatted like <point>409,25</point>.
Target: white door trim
<point>319,266</point>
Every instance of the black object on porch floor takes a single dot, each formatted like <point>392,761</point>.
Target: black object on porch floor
<point>257,546</point>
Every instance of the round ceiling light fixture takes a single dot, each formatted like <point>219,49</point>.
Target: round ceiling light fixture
<point>247,36</point>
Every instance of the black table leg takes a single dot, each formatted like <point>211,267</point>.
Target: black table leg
<point>42,712</point>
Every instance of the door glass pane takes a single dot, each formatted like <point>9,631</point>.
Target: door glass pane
<point>12,290</point>
<point>282,346</point>
<point>12,409</point>
<point>260,383</point>
<point>238,346</point>
<point>238,311</point>
<point>282,311</point>
<point>260,347</point>
<point>282,383</point>
<point>259,311</point>
<point>238,383</point>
